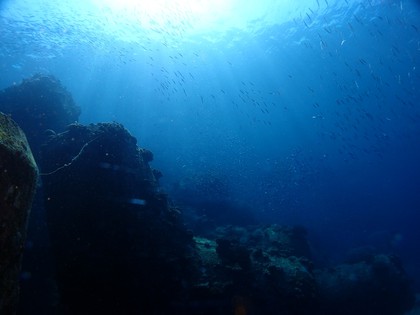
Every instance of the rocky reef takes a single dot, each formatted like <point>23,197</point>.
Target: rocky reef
<point>17,187</point>
<point>120,246</point>
<point>113,230</point>
<point>268,270</point>
<point>256,270</point>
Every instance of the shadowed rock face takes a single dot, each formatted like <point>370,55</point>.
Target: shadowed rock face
<point>38,104</point>
<point>18,175</point>
<point>119,247</point>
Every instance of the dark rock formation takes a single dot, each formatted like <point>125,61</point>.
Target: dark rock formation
<point>119,247</point>
<point>39,105</point>
<point>17,187</point>
<point>376,286</point>
<point>267,270</point>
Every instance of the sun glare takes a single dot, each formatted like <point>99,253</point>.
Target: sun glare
<point>178,20</point>
<point>165,15</point>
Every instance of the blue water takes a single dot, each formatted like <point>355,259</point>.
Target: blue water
<point>308,112</point>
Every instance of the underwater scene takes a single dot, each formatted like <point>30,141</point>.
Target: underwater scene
<point>210,157</point>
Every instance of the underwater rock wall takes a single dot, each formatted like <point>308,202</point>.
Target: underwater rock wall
<point>18,176</point>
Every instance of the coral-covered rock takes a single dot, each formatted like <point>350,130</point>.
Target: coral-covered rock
<point>39,104</point>
<point>254,270</point>
<point>119,247</point>
<point>17,187</point>
<point>277,240</point>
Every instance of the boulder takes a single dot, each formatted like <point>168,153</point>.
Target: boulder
<point>17,187</point>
